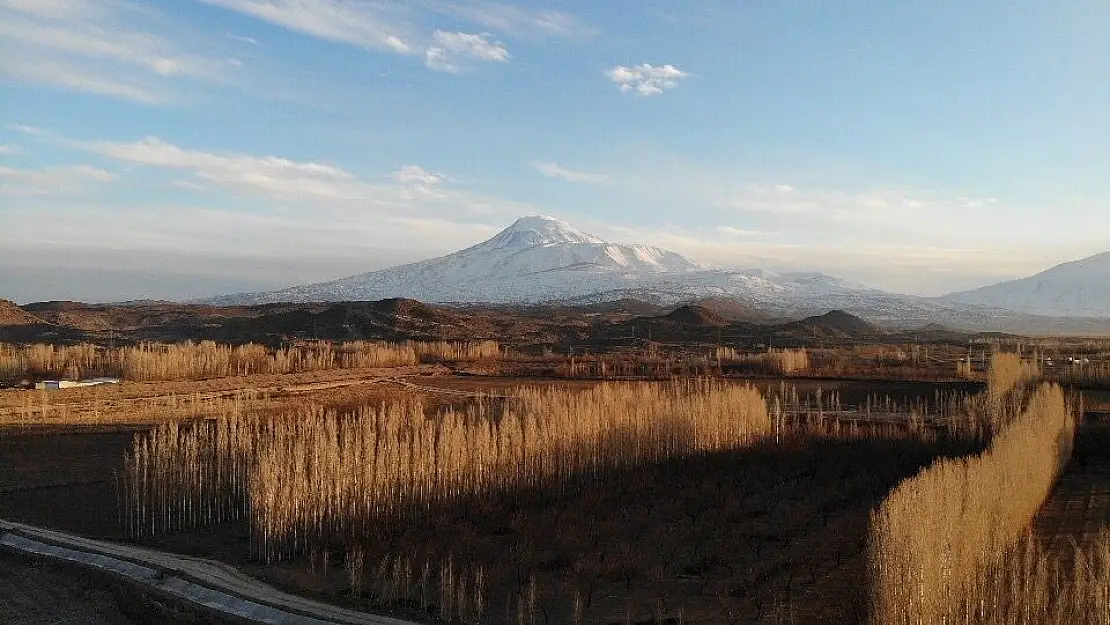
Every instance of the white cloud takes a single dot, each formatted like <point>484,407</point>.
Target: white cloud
<point>10,149</point>
<point>33,131</point>
<point>135,48</point>
<point>413,174</point>
<point>243,39</point>
<point>516,20</point>
<point>398,27</point>
<point>892,208</point>
<point>75,77</point>
<point>57,9</point>
<point>646,79</point>
<point>338,222</point>
<point>62,179</point>
<point>268,176</point>
<point>96,47</point>
<point>740,232</point>
<point>457,52</point>
<point>319,186</point>
<point>368,25</point>
<point>554,170</point>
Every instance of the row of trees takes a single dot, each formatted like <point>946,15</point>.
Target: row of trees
<point>207,359</point>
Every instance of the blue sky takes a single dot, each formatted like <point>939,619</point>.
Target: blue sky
<point>187,148</point>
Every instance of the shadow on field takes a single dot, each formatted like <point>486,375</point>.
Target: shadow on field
<point>1078,511</point>
<point>721,538</point>
<point>776,529</point>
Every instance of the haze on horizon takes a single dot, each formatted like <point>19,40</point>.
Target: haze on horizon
<point>186,149</point>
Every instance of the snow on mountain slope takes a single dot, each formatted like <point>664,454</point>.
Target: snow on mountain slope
<point>1077,289</point>
<point>542,259</point>
<point>535,259</point>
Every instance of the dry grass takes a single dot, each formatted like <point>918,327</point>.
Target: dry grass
<point>651,525</point>
<point>134,403</point>
<point>1034,585</point>
<point>906,361</point>
<point>453,351</point>
<point>1008,371</point>
<point>648,363</point>
<point>207,359</point>
<point>937,533</point>
<point>774,361</point>
<point>77,361</point>
<point>317,476</point>
<point>39,408</point>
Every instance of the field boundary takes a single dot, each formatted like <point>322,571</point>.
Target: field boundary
<point>202,583</point>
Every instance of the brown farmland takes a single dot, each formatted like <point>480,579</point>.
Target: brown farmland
<point>470,482</point>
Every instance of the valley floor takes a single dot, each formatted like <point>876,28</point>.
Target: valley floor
<point>772,534</point>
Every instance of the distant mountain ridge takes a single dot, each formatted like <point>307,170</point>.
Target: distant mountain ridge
<point>1079,288</point>
<point>543,260</point>
<point>535,259</point>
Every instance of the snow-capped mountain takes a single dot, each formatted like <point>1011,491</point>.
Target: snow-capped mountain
<point>535,259</point>
<point>1080,288</point>
<point>543,259</point>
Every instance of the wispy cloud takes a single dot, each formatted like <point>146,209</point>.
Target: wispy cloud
<point>919,268</point>
<point>320,186</point>
<point>59,180</point>
<point>646,79</point>
<point>404,28</point>
<point>885,207</point>
<point>73,76</point>
<point>31,131</point>
<point>333,213</point>
<point>414,174</point>
<point>10,149</point>
<point>554,170</point>
<point>243,39</point>
<point>741,232</point>
<point>811,211</point>
<point>368,25</point>
<point>516,20</point>
<point>96,47</point>
<point>457,52</point>
<point>58,9</point>
<point>144,50</point>
<point>268,176</point>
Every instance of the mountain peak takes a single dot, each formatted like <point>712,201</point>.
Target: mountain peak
<point>540,258</point>
<point>540,230</point>
<point>1077,288</point>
